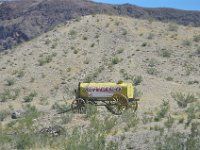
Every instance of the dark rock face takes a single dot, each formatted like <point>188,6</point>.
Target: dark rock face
<point>24,19</point>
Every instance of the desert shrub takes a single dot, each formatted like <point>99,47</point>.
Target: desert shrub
<point>47,42</point>
<point>93,75</point>
<point>165,53</point>
<point>23,141</point>
<point>150,36</point>
<point>164,108</point>
<point>124,32</point>
<point>193,82</point>
<point>196,38</point>
<point>92,45</point>
<point>172,27</point>
<point>72,32</point>
<point>186,42</point>
<point>10,81</point>
<point>146,118</point>
<point>86,61</point>
<point>84,38</point>
<point>66,118</point>
<point>180,140</point>
<point>44,60</point>
<point>54,45</point>
<point>191,112</point>
<point>198,51</point>
<point>169,79</point>
<point>152,71</point>
<point>144,44</point>
<point>130,119</point>
<point>152,62</point>
<point>117,23</point>
<point>20,73</point>
<point>115,60</point>
<point>76,51</point>
<point>43,100</point>
<point>183,100</point>
<point>30,97</point>
<point>9,94</point>
<point>61,108</point>
<point>93,137</point>
<point>137,80</point>
<point>112,146</point>
<point>3,115</point>
<point>91,110</point>
<point>169,122</point>
<point>121,50</point>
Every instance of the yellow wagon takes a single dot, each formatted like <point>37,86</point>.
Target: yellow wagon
<point>117,97</point>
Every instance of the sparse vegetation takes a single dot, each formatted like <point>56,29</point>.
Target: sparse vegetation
<point>169,79</point>
<point>164,108</point>
<point>186,42</point>
<point>30,97</point>
<point>137,80</point>
<point>72,32</point>
<point>60,108</point>
<point>165,53</point>
<point>150,36</point>
<point>173,27</point>
<point>198,51</point>
<point>9,94</point>
<point>115,60</point>
<point>10,81</point>
<point>183,99</point>
<point>152,71</point>
<point>46,59</point>
<point>196,38</point>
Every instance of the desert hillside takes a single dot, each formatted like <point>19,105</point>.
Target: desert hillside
<point>23,20</point>
<point>39,78</point>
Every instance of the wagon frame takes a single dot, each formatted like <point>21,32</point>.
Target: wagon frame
<point>116,104</point>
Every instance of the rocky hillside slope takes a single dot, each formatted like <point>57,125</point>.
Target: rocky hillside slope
<point>39,77</point>
<point>22,20</point>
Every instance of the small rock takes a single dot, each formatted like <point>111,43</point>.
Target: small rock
<point>16,114</point>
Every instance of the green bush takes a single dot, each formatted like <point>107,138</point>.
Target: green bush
<point>115,60</point>
<point>186,43</point>
<point>150,36</point>
<point>137,80</point>
<point>169,79</point>
<point>165,53</point>
<point>169,122</point>
<point>180,140</point>
<point>45,60</point>
<point>164,108</point>
<point>20,73</point>
<point>3,115</point>
<point>72,32</point>
<point>172,27</point>
<point>152,62</point>
<point>30,97</point>
<point>91,110</point>
<point>152,71</point>
<point>198,51</point>
<point>9,94</point>
<point>191,112</point>
<point>61,108</point>
<point>183,100</point>
<point>10,81</point>
<point>196,38</point>
<point>144,44</point>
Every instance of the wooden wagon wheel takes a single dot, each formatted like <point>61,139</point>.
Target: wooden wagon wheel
<point>78,105</point>
<point>118,103</point>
